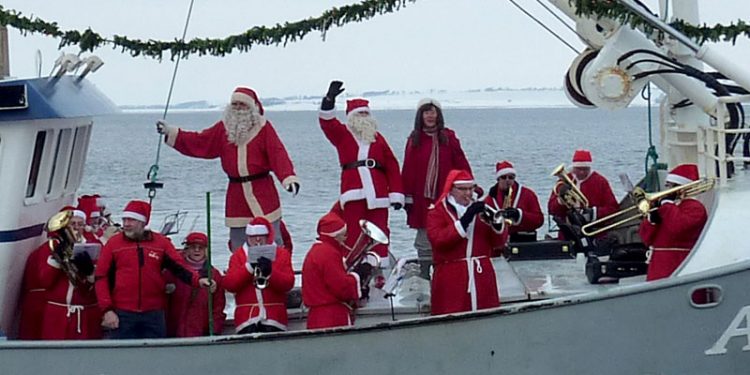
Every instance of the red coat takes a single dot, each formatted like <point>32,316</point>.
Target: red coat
<point>414,172</point>
<point>670,241</point>
<point>379,187</point>
<point>264,152</point>
<point>138,287</point>
<point>598,192</point>
<point>527,203</point>
<point>253,305</point>
<point>464,278</point>
<point>71,312</point>
<point>187,314</point>
<point>33,295</point>
<point>327,289</point>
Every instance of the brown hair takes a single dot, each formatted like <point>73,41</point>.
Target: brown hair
<point>419,124</point>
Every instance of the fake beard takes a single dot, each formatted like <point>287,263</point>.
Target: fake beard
<point>363,127</point>
<point>239,123</point>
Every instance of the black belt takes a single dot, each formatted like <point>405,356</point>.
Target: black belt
<point>369,163</point>
<point>249,178</point>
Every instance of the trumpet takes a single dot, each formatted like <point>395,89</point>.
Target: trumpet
<point>645,203</point>
<point>495,216</point>
<point>573,198</point>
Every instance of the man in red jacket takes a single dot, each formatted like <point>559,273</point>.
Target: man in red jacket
<point>370,175</point>
<point>327,288</point>
<point>521,207</point>
<point>462,243</point>
<point>249,149</point>
<point>672,230</point>
<point>130,286</point>
<point>261,304</point>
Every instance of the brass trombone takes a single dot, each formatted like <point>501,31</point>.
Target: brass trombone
<point>573,198</point>
<point>644,205</point>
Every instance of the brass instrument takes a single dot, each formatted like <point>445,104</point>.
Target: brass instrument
<point>370,237</point>
<point>61,241</point>
<point>644,205</point>
<point>494,216</point>
<point>260,281</point>
<point>573,198</point>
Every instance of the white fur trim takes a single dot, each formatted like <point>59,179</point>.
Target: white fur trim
<point>80,214</point>
<point>171,135</point>
<point>396,198</point>
<point>459,228</point>
<point>335,233</point>
<point>358,110</point>
<point>134,215</point>
<point>52,262</point>
<point>505,171</point>
<point>581,164</point>
<point>459,182</point>
<point>677,179</point>
<point>408,199</point>
<point>256,230</point>
<point>257,319</point>
<point>428,101</point>
<point>520,216</point>
<point>327,115</point>
<point>359,290</point>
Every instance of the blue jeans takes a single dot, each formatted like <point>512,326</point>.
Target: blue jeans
<point>144,325</point>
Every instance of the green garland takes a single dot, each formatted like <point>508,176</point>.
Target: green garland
<point>701,34</point>
<point>258,35</point>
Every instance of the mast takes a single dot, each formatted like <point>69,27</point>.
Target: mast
<point>4,58</point>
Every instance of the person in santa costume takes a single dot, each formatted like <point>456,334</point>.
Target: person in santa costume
<point>462,243</point>
<point>71,312</point>
<point>130,285</point>
<point>93,231</point>
<point>594,186</point>
<point>370,175</point>
<point>431,151</point>
<point>260,308</point>
<point>249,149</point>
<point>33,297</point>
<point>672,230</point>
<point>521,207</point>
<point>187,311</point>
<point>328,290</point>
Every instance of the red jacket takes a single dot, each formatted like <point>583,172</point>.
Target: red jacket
<point>414,172</point>
<point>264,152</point>
<point>136,269</point>
<point>327,289</point>
<point>379,187</point>
<point>187,314</point>
<point>253,305</point>
<point>671,240</point>
<point>33,295</point>
<point>455,254</point>
<point>527,203</point>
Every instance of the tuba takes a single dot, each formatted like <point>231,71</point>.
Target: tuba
<point>370,237</point>
<point>573,198</point>
<point>61,241</point>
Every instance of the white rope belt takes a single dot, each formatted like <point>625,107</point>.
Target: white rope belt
<point>73,309</point>
<point>473,263</point>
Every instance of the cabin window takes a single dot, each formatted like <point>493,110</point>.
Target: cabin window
<point>706,296</point>
<point>36,163</point>
<point>77,156</point>
<point>61,159</point>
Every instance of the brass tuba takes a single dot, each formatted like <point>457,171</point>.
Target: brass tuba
<point>370,237</point>
<point>61,241</point>
<point>573,198</point>
<point>644,205</point>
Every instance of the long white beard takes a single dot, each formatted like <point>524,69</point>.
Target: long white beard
<point>239,123</point>
<point>363,127</point>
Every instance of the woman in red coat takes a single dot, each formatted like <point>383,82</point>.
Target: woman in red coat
<point>672,230</point>
<point>432,151</point>
<point>464,277</point>
<point>260,309</point>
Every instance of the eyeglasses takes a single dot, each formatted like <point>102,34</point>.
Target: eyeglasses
<point>507,177</point>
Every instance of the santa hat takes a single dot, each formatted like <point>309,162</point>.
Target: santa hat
<point>75,212</point>
<point>582,158</point>
<point>683,174</point>
<point>260,226</point>
<point>137,210</point>
<point>196,238</point>
<point>247,96</point>
<point>426,101</point>
<point>331,225</point>
<point>88,204</point>
<point>456,177</point>
<point>504,167</point>
<point>357,105</point>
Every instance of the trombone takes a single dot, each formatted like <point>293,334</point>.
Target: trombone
<point>644,205</point>
<point>573,198</point>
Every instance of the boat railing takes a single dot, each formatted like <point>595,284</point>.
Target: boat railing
<point>711,142</point>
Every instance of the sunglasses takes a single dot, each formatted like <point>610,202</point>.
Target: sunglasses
<point>507,177</point>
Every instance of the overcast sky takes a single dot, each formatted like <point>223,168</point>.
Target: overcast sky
<point>431,44</point>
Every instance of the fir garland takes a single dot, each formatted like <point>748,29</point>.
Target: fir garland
<point>89,40</point>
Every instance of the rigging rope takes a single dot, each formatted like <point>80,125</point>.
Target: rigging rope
<point>545,27</point>
<point>153,171</point>
<point>652,178</point>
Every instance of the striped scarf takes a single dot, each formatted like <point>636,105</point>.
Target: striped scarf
<point>433,167</point>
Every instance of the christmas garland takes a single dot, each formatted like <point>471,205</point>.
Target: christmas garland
<point>701,34</point>
<point>89,40</point>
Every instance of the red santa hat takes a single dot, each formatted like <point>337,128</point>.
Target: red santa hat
<point>260,226</point>
<point>455,177</point>
<point>196,238</point>
<point>504,167</point>
<point>582,158</point>
<point>74,211</point>
<point>357,105</point>
<point>137,210</point>
<point>88,204</point>
<point>247,96</point>
<point>683,174</point>
<point>427,101</point>
<point>331,225</point>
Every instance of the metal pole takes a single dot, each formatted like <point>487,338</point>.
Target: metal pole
<point>4,56</point>
<point>209,266</point>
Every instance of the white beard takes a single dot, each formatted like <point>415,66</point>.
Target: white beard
<point>239,123</point>
<point>363,127</point>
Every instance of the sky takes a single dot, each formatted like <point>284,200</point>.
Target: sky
<point>431,44</point>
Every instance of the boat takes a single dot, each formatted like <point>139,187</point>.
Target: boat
<point>695,322</point>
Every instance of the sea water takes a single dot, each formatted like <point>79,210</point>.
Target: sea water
<point>535,140</point>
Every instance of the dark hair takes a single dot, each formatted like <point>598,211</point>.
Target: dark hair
<point>419,124</point>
